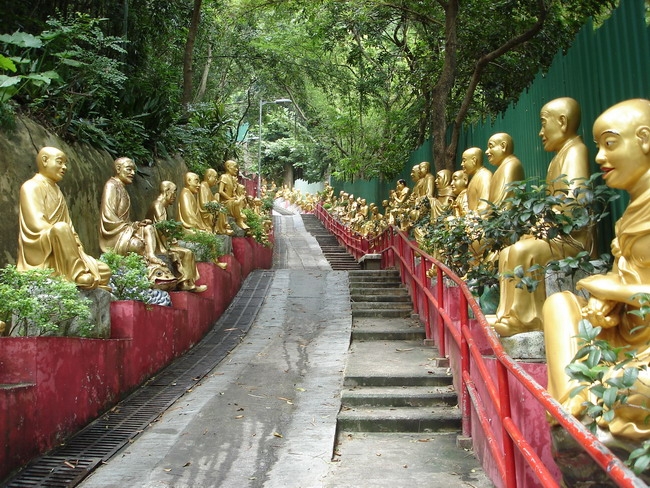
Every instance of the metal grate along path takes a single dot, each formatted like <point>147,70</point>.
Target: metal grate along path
<point>68,465</point>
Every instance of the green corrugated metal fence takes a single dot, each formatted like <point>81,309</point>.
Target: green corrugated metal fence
<point>601,68</point>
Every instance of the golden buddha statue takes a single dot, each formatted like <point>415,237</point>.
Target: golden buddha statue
<point>417,190</point>
<point>478,189</point>
<point>188,205</point>
<point>500,153</point>
<point>459,187</point>
<point>47,238</point>
<point>182,258</point>
<point>428,185</point>
<point>444,193</point>
<point>220,225</point>
<point>229,194</point>
<point>400,204</point>
<point>622,136</point>
<point>520,310</point>
<point>117,231</point>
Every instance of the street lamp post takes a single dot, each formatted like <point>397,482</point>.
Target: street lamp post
<point>259,140</point>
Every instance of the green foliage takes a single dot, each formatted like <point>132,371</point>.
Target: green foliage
<point>208,136</point>
<point>171,229</point>
<point>36,301</point>
<point>215,209</point>
<point>207,247</point>
<point>257,230</point>
<point>129,279</point>
<point>467,244</point>
<point>610,375</point>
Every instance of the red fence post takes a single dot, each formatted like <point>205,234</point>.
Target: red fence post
<point>465,366</point>
<point>440,291</point>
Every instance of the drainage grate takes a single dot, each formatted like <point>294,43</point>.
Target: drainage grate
<point>100,440</point>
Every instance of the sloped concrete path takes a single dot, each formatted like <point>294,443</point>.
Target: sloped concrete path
<point>266,415</point>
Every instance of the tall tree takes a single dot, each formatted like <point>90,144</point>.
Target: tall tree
<point>188,58</point>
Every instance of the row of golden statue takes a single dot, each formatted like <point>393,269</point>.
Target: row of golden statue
<point>47,238</point>
<point>622,136</point>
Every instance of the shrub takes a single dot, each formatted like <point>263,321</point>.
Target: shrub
<point>36,302</point>
<point>129,280</point>
<point>207,247</point>
<point>257,230</point>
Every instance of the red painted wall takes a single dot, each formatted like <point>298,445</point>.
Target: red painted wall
<point>50,387</point>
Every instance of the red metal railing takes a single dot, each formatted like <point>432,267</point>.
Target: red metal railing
<point>496,394</point>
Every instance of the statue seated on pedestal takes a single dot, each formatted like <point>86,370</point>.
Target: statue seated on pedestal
<point>47,238</point>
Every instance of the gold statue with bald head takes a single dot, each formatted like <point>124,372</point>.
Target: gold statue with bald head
<point>188,204</point>
<point>500,153</point>
<point>182,259</point>
<point>520,310</point>
<point>230,196</point>
<point>622,135</point>
<point>218,224</point>
<point>47,238</point>
<point>478,189</point>
<point>117,231</point>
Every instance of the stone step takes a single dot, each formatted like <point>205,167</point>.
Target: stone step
<point>375,285</point>
<point>378,307</point>
<point>437,378</point>
<point>374,281</point>
<point>408,419</point>
<point>386,296</point>
<point>379,272</point>
<point>387,335</point>
<point>391,314</point>
<point>399,396</point>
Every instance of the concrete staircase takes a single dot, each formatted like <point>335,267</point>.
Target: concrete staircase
<point>393,382</point>
<point>336,255</point>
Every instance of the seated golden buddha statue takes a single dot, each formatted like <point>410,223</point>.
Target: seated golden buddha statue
<point>459,187</point>
<point>182,258</point>
<point>444,193</point>
<point>218,224</point>
<point>117,231</point>
<point>229,194</point>
<point>500,153</point>
<point>188,205</point>
<point>519,310</point>
<point>478,188</point>
<point>47,238</point>
<point>622,135</point>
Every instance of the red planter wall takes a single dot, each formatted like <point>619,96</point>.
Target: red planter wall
<point>50,387</point>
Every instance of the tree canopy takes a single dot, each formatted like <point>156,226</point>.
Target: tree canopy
<point>369,80</point>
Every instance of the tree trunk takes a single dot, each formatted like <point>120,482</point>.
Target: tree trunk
<point>442,89</point>
<point>478,70</point>
<point>204,79</point>
<point>188,58</point>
